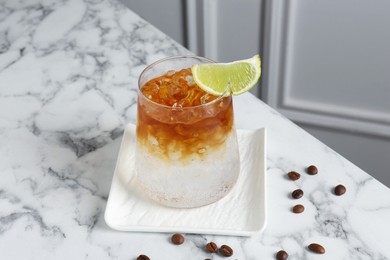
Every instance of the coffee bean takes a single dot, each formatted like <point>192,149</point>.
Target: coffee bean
<point>177,239</point>
<point>226,250</point>
<point>212,247</point>
<point>298,208</point>
<point>340,190</point>
<point>143,257</point>
<point>281,255</point>
<point>316,248</point>
<point>312,170</point>
<point>293,175</point>
<point>296,194</point>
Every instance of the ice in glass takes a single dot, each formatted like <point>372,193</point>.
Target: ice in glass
<point>187,151</point>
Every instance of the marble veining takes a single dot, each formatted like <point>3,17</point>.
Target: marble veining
<point>68,86</point>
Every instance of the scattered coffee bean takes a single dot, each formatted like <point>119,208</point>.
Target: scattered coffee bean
<point>340,190</point>
<point>143,257</point>
<point>316,248</point>
<point>226,250</point>
<point>177,239</point>
<point>312,170</point>
<point>296,194</point>
<point>293,175</point>
<point>298,208</point>
<point>212,247</point>
<point>281,255</point>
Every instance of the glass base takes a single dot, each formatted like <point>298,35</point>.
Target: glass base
<point>197,183</point>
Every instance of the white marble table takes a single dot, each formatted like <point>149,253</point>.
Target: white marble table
<point>68,79</point>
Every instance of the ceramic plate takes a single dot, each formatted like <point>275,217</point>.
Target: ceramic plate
<point>242,212</point>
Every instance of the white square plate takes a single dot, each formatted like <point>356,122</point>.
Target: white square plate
<point>242,212</point>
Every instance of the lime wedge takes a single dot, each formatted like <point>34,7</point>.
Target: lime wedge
<point>240,76</point>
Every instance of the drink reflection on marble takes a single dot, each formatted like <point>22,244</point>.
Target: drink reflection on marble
<point>187,150</point>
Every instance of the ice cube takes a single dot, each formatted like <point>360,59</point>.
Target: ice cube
<point>190,80</point>
<point>163,93</point>
<point>204,98</point>
<point>173,89</point>
<point>201,150</point>
<point>170,72</point>
<point>177,107</point>
<point>153,140</point>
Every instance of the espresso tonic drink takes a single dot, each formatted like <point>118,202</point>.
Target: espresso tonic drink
<point>187,152</point>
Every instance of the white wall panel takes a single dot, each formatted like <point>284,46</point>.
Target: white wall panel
<point>229,28</point>
<point>328,71</point>
<point>166,15</point>
<point>239,25</point>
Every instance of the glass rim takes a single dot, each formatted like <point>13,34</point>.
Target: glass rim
<point>179,57</point>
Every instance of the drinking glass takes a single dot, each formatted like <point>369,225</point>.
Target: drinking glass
<point>187,152</point>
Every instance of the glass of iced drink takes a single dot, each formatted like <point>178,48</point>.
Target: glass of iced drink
<point>187,152</point>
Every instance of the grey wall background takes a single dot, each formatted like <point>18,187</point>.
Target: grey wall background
<point>325,63</point>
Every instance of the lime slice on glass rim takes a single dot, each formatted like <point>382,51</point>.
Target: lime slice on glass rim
<point>240,75</point>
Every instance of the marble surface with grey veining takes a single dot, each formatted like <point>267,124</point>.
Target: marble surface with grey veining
<point>68,86</point>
